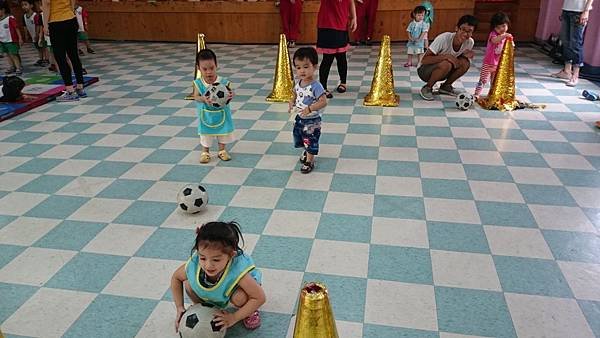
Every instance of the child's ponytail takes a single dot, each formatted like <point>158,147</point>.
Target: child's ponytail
<point>226,235</point>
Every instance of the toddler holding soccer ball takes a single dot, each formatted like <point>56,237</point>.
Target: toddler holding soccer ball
<point>215,121</point>
<point>219,273</point>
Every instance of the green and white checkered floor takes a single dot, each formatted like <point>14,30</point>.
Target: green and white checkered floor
<point>423,220</point>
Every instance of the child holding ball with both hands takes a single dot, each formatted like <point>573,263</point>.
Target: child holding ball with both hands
<point>219,273</point>
<point>214,123</point>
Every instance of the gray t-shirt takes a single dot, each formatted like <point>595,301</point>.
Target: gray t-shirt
<point>574,5</point>
<point>443,45</point>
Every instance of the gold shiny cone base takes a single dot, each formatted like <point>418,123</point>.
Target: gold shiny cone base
<point>382,91</point>
<point>283,81</point>
<point>314,318</point>
<point>200,45</point>
<point>502,92</point>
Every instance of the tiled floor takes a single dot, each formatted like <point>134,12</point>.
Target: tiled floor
<point>423,220</point>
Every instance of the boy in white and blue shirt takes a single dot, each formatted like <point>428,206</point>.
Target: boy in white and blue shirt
<point>308,104</point>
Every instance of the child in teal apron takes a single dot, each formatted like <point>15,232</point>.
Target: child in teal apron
<point>219,273</point>
<point>213,122</point>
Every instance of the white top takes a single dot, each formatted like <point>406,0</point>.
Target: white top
<point>79,15</point>
<point>30,24</point>
<point>443,45</point>
<point>574,5</point>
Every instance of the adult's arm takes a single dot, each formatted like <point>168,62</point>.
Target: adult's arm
<point>352,16</point>
<point>46,11</point>
<point>583,18</point>
<point>431,58</point>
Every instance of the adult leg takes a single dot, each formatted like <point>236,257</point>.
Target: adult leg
<point>284,11</point>
<point>295,20</point>
<point>324,69</point>
<point>567,55</point>
<point>372,11</point>
<point>72,52</point>
<point>463,66</point>
<point>577,31</point>
<point>58,38</point>
<point>439,73</point>
<point>360,34</point>
<point>342,66</point>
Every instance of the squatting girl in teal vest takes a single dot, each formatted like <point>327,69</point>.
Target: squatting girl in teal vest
<point>219,273</point>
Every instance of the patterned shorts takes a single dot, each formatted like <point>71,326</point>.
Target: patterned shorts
<point>307,133</point>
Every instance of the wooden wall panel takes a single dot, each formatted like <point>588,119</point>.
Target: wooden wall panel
<point>248,22</point>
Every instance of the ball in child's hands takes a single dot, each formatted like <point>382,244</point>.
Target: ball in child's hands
<point>192,198</point>
<point>464,101</point>
<point>196,323</point>
<point>218,94</point>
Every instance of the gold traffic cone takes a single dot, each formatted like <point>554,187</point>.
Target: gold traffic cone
<point>382,87</point>
<point>314,318</point>
<point>502,92</point>
<point>283,81</point>
<point>200,45</point>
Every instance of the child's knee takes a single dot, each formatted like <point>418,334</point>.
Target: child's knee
<point>239,298</point>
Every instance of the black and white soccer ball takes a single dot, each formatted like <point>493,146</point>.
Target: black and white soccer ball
<point>196,323</point>
<point>218,94</point>
<point>464,101</point>
<point>192,198</point>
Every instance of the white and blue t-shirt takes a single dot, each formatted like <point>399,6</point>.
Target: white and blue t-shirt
<point>308,95</point>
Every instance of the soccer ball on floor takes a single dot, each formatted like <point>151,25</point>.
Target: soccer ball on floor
<point>192,198</point>
<point>464,101</point>
<point>218,94</point>
<point>196,323</point>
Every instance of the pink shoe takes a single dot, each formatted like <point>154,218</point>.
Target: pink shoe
<point>252,322</point>
<point>407,65</point>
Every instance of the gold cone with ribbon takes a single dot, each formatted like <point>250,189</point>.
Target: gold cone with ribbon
<point>283,81</point>
<point>200,45</point>
<point>502,92</point>
<point>382,91</point>
<point>314,318</point>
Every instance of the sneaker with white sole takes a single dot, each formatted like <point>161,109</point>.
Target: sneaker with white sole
<point>448,90</point>
<point>427,93</point>
<point>81,93</point>
<point>68,97</point>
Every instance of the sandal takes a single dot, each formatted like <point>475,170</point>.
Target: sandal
<point>341,88</point>
<point>252,322</point>
<point>224,155</point>
<point>561,75</point>
<point>407,65</point>
<point>204,157</point>
<point>307,167</point>
<point>328,94</point>
<point>303,157</point>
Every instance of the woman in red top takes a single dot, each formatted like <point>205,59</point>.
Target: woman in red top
<point>334,19</point>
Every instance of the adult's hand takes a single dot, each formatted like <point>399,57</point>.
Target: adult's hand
<point>469,54</point>
<point>352,24</point>
<point>583,18</point>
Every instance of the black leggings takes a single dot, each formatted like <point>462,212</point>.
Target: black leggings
<point>342,66</point>
<point>63,38</point>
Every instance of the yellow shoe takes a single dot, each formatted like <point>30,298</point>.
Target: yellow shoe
<point>224,155</point>
<point>204,157</point>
